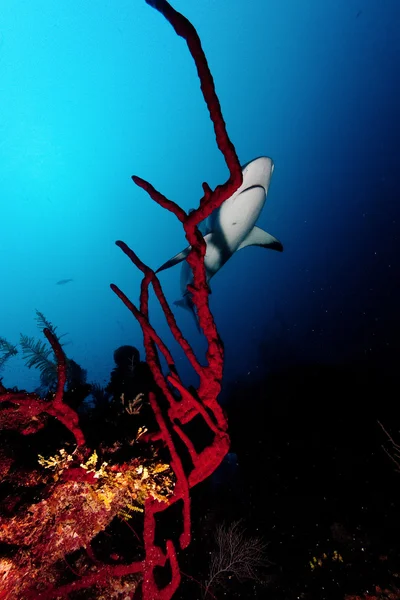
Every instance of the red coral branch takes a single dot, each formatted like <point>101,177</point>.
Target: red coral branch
<point>66,415</point>
<point>30,405</point>
<point>99,577</point>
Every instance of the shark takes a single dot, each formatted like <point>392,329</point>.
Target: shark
<point>230,228</point>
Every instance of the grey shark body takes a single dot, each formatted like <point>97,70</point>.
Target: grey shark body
<point>231,227</point>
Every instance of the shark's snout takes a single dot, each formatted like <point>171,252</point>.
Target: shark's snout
<point>258,173</point>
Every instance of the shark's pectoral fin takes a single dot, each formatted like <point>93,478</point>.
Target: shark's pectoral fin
<point>259,237</point>
<point>175,260</point>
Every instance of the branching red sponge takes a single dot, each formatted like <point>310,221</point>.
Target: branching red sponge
<point>206,401</point>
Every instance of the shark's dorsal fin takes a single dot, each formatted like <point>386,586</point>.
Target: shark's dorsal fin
<point>175,260</point>
<point>259,237</point>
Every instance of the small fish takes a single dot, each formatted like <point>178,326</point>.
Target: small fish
<point>63,281</point>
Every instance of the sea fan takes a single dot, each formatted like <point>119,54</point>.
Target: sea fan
<point>37,355</point>
<point>6,351</point>
<point>44,323</point>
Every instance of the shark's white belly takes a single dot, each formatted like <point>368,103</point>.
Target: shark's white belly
<point>238,216</point>
<point>215,257</point>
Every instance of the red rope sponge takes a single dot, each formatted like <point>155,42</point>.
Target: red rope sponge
<point>206,401</point>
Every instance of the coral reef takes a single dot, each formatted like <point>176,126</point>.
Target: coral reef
<point>55,509</point>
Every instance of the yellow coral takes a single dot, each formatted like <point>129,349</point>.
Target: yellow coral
<point>56,462</point>
<point>130,486</point>
<point>319,561</point>
<point>106,495</point>
<point>91,464</point>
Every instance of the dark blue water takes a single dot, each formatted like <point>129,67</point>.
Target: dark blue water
<point>93,93</point>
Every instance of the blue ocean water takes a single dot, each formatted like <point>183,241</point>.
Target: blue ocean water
<point>92,93</point>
